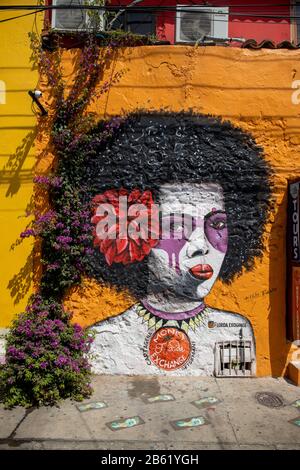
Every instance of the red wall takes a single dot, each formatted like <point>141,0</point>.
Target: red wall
<point>261,28</point>
<point>239,26</point>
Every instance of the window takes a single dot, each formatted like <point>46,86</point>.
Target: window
<point>136,22</point>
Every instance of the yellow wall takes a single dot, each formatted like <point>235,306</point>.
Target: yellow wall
<point>17,158</point>
<point>253,89</point>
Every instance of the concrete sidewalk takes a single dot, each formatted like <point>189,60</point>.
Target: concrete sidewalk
<point>238,421</point>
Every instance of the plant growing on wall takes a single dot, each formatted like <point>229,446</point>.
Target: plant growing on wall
<point>45,353</point>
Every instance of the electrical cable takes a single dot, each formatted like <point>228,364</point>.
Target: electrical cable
<point>21,16</point>
<point>244,5</point>
<point>158,8</point>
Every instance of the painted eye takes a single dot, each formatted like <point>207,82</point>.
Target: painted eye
<point>218,225</point>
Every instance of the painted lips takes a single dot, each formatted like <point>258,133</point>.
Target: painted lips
<point>202,271</point>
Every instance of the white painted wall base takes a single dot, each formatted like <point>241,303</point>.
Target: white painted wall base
<point>120,345</point>
<point>3,333</point>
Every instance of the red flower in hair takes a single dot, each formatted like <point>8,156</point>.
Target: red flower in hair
<point>127,225</point>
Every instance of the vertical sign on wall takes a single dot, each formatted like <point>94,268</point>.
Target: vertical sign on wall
<point>293,262</point>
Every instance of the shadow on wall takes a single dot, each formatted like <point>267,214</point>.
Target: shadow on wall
<point>20,284</point>
<point>279,348</point>
<point>13,174</point>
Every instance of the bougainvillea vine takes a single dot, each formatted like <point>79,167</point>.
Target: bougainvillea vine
<point>46,354</point>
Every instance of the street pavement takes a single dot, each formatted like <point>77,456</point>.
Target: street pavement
<point>139,412</point>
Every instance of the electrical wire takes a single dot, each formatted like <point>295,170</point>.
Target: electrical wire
<point>39,9</point>
<point>155,8</point>
<point>21,16</point>
<point>244,5</point>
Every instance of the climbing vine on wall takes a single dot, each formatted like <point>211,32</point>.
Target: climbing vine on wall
<point>46,355</point>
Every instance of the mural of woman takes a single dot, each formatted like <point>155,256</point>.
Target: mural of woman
<point>197,195</point>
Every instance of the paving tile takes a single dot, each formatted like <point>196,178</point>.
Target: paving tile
<point>9,419</point>
<point>54,423</point>
<point>237,422</point>
<point>256,447</point>
<point>125,398</point>
<point>21,445</point>
<point>255,423</point>
<point>288,446</point>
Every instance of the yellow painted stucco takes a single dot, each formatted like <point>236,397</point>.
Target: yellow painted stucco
<point>253,89</point>
<point>17,158</point>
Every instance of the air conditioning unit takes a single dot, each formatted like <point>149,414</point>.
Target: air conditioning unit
<point>76,19</point>
<point>193,23</point>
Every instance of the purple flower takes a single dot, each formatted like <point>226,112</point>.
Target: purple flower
<point>42,314</point>
<point>84,237</point>
<point>56,182</point>
<point>27,233</point>
<point>77,328</point>
<point>61,361</point>
<point>15,353</point>
<point>52,266</point>
<point>59,324</point>
<point>64,240</point>
<point>40,179</point>
<point>74,366</point>
<point>46,218</point>
<point>43,365</point>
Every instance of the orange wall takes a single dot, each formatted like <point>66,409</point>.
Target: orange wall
<point>253,89</point>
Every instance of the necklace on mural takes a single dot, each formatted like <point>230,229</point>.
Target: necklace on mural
<point>155,320</point>
<point>169,346</point>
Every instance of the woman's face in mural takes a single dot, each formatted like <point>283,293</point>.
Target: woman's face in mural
<point>188,258</point>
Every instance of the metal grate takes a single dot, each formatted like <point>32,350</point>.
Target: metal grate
<point>234,358</point>
<point>269,399</point>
